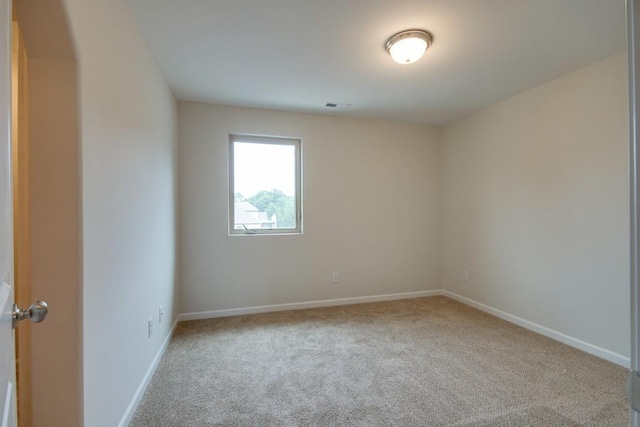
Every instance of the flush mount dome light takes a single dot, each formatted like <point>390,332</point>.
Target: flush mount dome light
<point>408,46</point>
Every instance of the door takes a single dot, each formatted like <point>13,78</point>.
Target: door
<point>7,355</point>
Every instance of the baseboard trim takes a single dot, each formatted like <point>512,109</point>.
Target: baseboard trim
<point>303,305</point>
<point>135,401</point>
<point>616,358</point>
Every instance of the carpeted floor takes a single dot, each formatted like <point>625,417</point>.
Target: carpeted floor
<point>419,362</point>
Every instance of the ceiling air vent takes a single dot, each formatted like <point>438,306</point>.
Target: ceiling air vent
<point>337,106</point>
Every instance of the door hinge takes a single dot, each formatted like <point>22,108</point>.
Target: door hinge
<point>633,390</point>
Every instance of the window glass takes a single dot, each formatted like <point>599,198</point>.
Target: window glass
<point>264,185</point>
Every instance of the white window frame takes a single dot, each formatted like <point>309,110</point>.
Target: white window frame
<point>264,139</point>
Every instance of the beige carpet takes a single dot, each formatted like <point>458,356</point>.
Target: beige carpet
<point>420,362</point>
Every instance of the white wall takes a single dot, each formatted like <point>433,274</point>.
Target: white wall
<point>128,133</point>
<point>535,198</point>
<point>371,211</point>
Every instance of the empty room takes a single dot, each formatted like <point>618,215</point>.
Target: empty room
<point>319,213</point>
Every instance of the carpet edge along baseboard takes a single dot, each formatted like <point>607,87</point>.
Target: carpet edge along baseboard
<point>595,350</point>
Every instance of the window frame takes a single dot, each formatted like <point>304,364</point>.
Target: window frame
<point>265,139</point>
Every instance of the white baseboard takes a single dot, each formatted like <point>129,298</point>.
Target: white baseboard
<point>302,305</point>
<point>616,358</point>
<point>135,401</point>
<point>542,330</point>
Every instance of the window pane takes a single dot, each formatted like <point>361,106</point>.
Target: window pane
<point>264,185</point>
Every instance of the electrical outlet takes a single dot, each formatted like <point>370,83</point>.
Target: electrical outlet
<point>150,327</point>
<point>335,277</point>
<point>465,275</point>
<point>160,314</point>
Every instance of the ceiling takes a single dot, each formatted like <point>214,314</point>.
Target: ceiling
<point>297,55</point>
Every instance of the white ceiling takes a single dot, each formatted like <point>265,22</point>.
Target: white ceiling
<point>297,55</point>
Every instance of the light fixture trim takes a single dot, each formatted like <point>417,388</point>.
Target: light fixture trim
<point>415,33</point>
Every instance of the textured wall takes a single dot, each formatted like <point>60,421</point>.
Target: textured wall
<point>128,131</point>
<point>535,196</point>
<point>371,211</point>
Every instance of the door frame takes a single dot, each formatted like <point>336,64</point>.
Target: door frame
<point>633,63</point>
<point>7,335</point>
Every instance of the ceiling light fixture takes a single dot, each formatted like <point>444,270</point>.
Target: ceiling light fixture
<point>408,46</point>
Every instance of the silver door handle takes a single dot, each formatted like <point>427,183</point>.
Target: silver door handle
<point>36,312</point>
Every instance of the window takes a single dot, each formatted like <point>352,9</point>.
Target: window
<point>265,195</point>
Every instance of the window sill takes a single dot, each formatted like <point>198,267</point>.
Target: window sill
<point>295,233</point>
